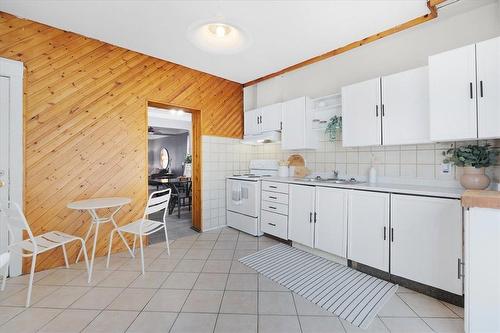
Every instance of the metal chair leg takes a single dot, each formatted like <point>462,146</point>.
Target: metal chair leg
<point>32,273</point>
<point>65,255</point>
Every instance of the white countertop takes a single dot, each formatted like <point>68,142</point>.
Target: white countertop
<point>426,190</point>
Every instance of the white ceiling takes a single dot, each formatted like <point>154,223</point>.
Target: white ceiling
<point>282,32</point>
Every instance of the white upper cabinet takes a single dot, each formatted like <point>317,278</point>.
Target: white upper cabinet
<point>330,221</point>
<point>271,117</point>
<point>301,214</point>
<point>297,132</point>
<point>405,107</point>
<point>251,122</point>
<point>488,82</point>
<point>265,119</point>
<point>368,216</point>
<point>361,114</point>
<point>452,95</point>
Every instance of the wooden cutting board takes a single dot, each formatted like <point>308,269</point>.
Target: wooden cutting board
<point>301,171</point>
<point>296,160</point>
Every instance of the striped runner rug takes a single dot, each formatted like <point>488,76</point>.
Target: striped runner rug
<point>351,295</point>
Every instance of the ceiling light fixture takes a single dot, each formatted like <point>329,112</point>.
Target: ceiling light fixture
<point>218,37</point>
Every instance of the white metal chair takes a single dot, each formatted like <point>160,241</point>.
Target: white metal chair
<point>143,227</point>
<point>33,246</point>
<point>4,268</point>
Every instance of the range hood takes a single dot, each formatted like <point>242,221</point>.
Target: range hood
<point>266,137</point>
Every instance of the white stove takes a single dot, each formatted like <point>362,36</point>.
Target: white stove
<point>243,196</point>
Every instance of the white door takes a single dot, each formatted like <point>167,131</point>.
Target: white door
<point>368,216</point>
<point>488,80</point>
<point>11,147</point>
<point>4,156</point>
<point>330,230</point>
<point>452,95</point>
<point>405,103</point>
<point>271,117</point>
<point>361,114</point>
<point>251,120</point>
<point>426,245</point>
<point>301,214</point>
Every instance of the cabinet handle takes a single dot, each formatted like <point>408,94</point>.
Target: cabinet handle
<point>271,224</point>
<point>470,90</point>
<point>272,207</point>
<point>376,110</point>
<point>315,217</point>
<point>275,198</point>
<point>310,217</point>
<point>383,110</point>
<point>385,233</point>
<point>272,186</point>
<point>261,119</point>
<point>392,234</point>
<point>460,269</point>
<point>481,87</point>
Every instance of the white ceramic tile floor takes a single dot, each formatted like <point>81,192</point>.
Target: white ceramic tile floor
<point>201,287</point>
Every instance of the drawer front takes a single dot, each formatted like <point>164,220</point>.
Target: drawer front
<point>275,207</point>
<point>275,187</point>
<point>274,224</point>
<point>275,197</point>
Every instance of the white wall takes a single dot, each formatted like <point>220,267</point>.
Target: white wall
<point>402,51</point>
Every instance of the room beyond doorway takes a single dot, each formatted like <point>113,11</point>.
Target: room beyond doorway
<point>170,166</point>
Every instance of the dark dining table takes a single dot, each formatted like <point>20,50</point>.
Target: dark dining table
<point>181,191</point>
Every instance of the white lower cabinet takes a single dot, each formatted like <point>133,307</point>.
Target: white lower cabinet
<point>301,213</point>
<point>318,218</point>
<point>274,224</point>
<point>330,229</point>
<point>426,241</point>
<point>368,216</point>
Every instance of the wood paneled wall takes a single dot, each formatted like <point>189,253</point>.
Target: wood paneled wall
<point>86,121</point>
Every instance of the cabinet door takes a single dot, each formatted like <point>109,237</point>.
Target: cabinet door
<point>271,117</point>
<point>297,130</point>
<point>330,229</point>
<point>452,95</point>
<point>361,116</point>
<point>488,77</point>
<point>300,214</point>
<point>405,107</point>
<point>252,122</point>
<point>426,241</point>
<point>368,216</point>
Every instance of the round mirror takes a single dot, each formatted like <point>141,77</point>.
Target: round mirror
<point>164,158</point>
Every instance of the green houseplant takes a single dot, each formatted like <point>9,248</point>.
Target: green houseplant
<point>474,159</point>
<point>333,127</point>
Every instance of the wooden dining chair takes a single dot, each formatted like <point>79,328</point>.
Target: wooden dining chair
<point>157,201</point>
<point>33,246</point>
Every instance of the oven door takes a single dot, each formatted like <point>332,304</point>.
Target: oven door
<point>243,197</point>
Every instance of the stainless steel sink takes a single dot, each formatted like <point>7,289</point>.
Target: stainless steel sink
<point>330,180</point>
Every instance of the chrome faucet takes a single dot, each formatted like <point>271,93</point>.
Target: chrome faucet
<point>335,174</point>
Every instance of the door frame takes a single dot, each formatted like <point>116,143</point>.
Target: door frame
<point>197,223</point>
<point>14,70</point>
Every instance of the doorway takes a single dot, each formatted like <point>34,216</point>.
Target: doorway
<point>11,150</point>
<point>170,165</point>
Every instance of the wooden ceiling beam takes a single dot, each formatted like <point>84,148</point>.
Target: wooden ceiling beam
<point>431,4</point>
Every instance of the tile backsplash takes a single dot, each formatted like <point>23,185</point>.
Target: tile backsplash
<point>223,157</point>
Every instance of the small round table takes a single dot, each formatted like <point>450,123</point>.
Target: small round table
<point>91,206</point>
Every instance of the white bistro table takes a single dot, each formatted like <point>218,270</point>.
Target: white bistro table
<point>91,206</point>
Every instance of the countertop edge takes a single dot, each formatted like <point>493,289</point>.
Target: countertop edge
<point>481,199</point>
<point>442,192</point>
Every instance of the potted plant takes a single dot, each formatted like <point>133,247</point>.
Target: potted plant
<point>474,159</point>
<point>333,127</point>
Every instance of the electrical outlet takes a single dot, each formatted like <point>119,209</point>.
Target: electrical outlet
<point>445,168</point>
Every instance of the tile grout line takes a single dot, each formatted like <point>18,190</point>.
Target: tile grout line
<point>227,278</point>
